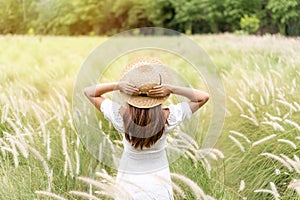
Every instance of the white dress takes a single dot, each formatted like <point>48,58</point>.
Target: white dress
<point>145,174</point>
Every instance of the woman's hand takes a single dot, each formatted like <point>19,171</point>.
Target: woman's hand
<point>197,98</point>
<point>127,88</point>
<point>160,91</point>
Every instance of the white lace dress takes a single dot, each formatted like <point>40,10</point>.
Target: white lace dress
<point>145,174</point>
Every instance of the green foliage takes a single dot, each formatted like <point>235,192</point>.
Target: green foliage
<point>11,17</point>
<point>284,12</point>
<point>69,17</point>
<point>129,14</point>
<point>249,23</point>
<point>160,12</point>
<point>95,17</point>
<point>234,10</point>
<point>186,12</point>
<point>212,12</point>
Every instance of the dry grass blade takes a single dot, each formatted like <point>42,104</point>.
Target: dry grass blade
<point>275,125</point>
<point>68,163</point>
<point>265,191</point>
<point>85,195</point>
<point>274,189</point>
<point>109,187</point>
<point>194,187</point>
<point>254,121</point>
<point>295,184</point>
<point>240,135</point>
<point>237,143</point>
<point>44,163</point>
<point>263,140</point>
<point>293,163</point>
<point>49,194</point>
<point>242,185</point>
<point>282,161</point>
<point>292,144</point>
<point>287,121</point>
<point>237,104</point>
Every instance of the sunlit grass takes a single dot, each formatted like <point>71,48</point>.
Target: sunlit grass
<point>40,150</point>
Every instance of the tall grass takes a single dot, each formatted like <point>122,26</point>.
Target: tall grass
<point>256,157</point>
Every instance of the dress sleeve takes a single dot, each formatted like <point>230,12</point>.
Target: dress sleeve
<point>111,112</point>
<point>178,113</point>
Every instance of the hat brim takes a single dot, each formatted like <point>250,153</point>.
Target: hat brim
<point>144,102</point>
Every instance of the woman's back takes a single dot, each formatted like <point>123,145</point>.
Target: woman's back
<point>144,173</point>
<point>149,159</point>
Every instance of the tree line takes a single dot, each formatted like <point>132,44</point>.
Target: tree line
<point>107,17</point>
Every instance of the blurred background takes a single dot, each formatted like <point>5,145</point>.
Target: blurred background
<point>107,17</point>
<point>254,45</point>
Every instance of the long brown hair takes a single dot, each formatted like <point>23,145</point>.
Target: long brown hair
<point>143,126</point>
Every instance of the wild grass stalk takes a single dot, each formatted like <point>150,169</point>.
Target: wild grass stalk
<point>281,160</point>
<point>49,194</point>
<point>237,143</point>
<point>263,140</point>
<point>198,192</point>
<point>292,144</point>
<point>295,185</point>
<point>85,195</point>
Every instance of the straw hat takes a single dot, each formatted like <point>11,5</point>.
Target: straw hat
<point>145,73</point>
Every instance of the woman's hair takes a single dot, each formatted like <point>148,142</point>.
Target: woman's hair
<point>143,126</point>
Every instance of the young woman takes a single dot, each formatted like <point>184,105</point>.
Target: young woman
<point>144,124</point>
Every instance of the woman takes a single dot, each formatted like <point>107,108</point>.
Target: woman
<point>144,124</point>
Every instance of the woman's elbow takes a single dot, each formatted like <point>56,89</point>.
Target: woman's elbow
<point>205,97</point>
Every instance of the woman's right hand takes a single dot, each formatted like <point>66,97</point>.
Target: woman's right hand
<point>127,88</point>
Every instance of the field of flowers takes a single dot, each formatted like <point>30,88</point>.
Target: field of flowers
<point>256,157</point>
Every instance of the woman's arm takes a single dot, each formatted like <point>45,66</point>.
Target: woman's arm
<point>94,93</point>
<point>197,98</point>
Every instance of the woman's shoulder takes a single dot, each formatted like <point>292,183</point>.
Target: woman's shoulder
<point>112,112</point>
<point>177,113</point>
<point>178,109</point>
<point>111,106</point>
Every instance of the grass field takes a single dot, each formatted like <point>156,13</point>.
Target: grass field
<point>256,157</point>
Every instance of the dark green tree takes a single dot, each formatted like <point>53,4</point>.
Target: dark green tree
<point>130,14</point>
<point>284,12</point>
<point>212,11</point>
<point>186,12</point>
<point>160,12</point>
<point>16,16</point>
<point>234,10</point>
<point>69,17</point>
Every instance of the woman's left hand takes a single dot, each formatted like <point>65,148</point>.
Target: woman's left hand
<point>160,91</point>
